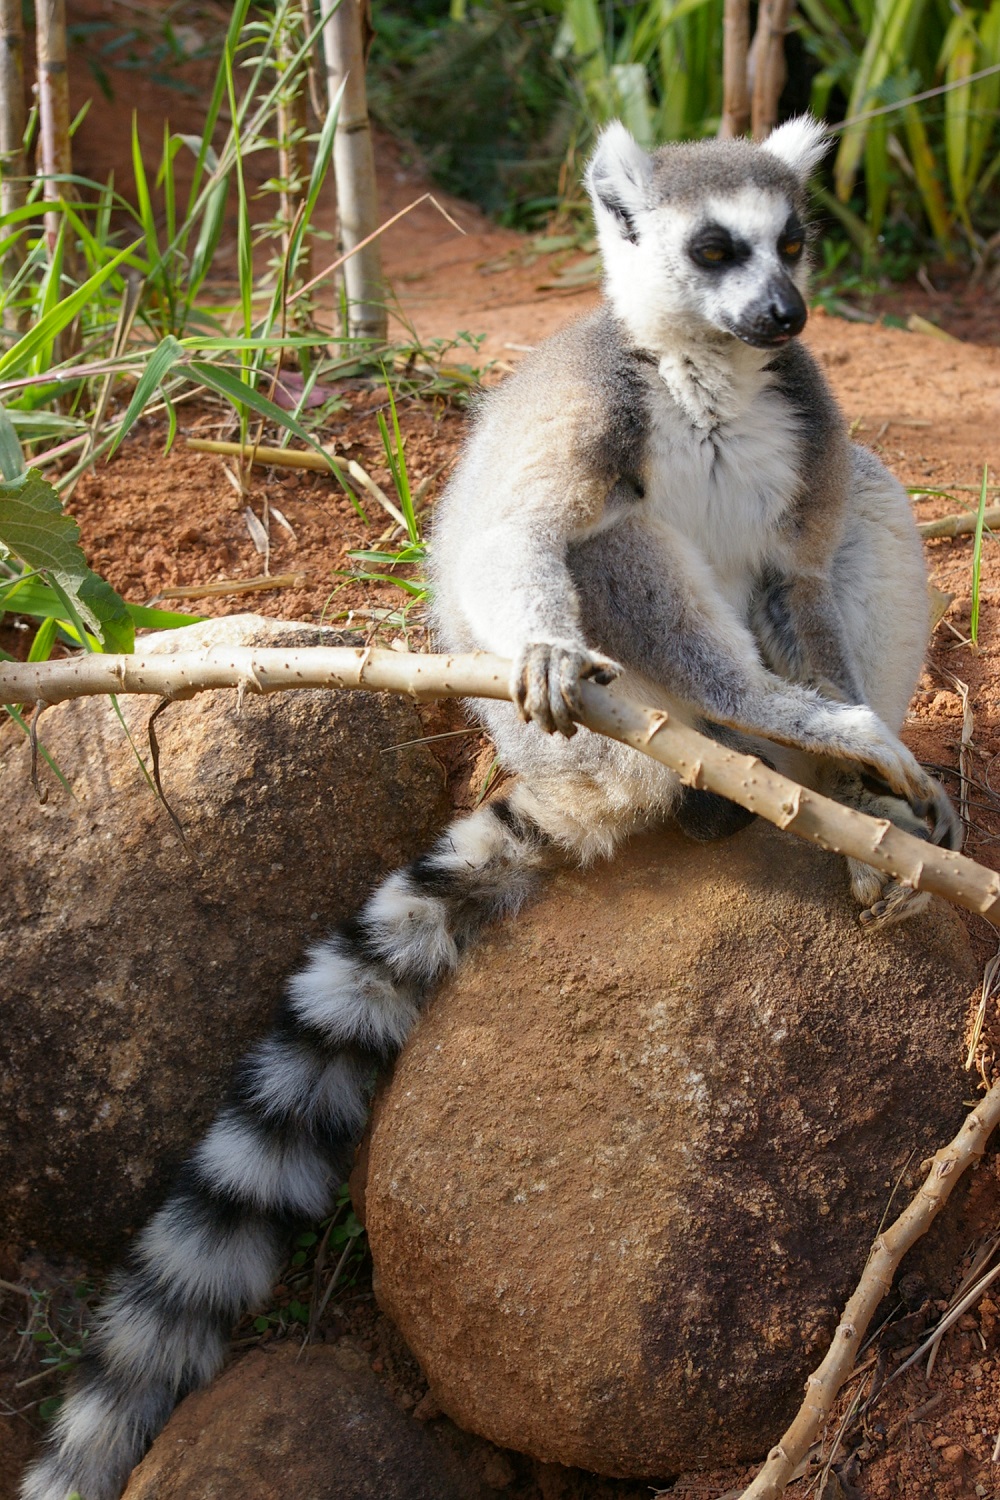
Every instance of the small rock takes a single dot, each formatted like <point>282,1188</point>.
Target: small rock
<point>318,1427</point>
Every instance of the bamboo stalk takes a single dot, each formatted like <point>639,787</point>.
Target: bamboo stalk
<point>13,118</point>
<point>354,167</point>
<point>700,762</point>
<point>735,53</point>
<point>887,1252</point>
<point>53,107</point>
<point>769,71</point>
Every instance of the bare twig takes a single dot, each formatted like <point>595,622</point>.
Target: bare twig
<point>699,761</point>
<point>886,1254</point>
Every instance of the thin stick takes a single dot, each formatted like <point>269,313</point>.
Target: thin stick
<point>887,1252</point>
<point>959,525</point>
<point>700,762</point>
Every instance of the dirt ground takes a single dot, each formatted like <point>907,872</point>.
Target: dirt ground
<point>161,527</point>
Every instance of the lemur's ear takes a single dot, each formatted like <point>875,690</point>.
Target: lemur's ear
<point>618,179</point>
<point>800,143</point>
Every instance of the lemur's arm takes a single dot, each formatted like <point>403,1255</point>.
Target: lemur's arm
<point>796,622</point>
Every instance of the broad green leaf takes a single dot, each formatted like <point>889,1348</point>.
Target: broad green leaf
<point>36,529</point>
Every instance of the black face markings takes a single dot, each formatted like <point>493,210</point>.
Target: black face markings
<point>715,248</point>
<point>792,240</point>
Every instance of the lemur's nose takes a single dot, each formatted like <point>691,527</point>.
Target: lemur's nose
<point>787,309</point>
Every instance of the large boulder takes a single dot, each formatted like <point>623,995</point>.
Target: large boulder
<point>136,966</point>
<point>631,1161</point>
<point>316,1427</point>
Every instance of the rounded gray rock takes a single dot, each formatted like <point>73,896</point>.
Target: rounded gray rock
<point>137,968</point>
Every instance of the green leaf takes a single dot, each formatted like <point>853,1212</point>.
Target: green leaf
<point>36,529</point>
<point>158,367</point>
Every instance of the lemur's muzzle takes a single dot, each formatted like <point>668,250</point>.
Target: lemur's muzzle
<point>773,318</point>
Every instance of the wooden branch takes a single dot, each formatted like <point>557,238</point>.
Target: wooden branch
<point>886,1254</point>
<point>354,167</point>
<point>735,52</point>
<point>961,525</point>
<point>700,762</point>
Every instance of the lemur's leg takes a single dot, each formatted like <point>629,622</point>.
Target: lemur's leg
<point>281,1144</point>
<point>654,605</point>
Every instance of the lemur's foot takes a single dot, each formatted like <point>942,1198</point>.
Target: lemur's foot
<point>897,902</point>
<point>883,899</point>
<point>545,682</point>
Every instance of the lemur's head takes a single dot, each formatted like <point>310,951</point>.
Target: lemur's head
<point>708,235</point>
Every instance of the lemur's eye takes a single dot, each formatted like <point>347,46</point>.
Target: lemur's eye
<point>792,248</point>
<point>715,250</point>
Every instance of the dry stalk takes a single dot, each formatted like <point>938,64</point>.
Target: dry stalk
<point>886,1254</point>
<point>699,761</point>
<point>278,458</point>
<point>959,525</point>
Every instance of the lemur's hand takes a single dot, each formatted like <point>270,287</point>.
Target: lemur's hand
<point>895,766</point>
<point>546,679</point>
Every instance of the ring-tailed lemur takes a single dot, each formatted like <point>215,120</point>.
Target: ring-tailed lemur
<point>663,497</point>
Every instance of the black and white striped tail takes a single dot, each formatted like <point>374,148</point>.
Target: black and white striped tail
<point>278,1150</point>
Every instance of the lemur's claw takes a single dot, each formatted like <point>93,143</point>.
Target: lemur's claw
<point>546,681</point>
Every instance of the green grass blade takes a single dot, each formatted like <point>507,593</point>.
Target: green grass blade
<point>977,558</point>
<point>160,363</point>
<point>20,355</point>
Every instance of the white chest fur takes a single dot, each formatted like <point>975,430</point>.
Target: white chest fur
<point>722,467</point>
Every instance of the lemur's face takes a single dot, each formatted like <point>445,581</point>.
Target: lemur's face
<point>706,239</point>
<point>740,265</point>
